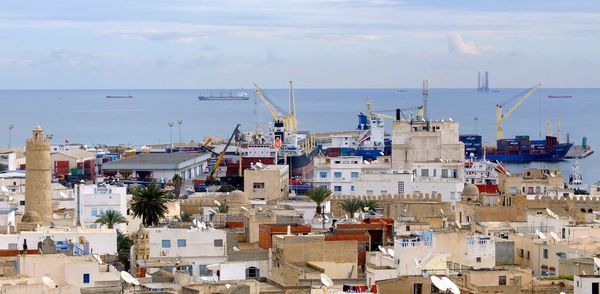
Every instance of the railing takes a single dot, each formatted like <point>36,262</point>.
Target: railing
<point>412,243</point>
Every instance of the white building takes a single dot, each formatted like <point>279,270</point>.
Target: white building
<point>98,199</point>
<point>12,182</point>
<point>90,240</point>
<point>159,166</point>
<point>9,159</point>
<point>586,284</point>
<point>179,249</point>
<point>77,271</point>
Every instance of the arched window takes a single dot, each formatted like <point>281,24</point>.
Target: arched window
<point>252,272</point>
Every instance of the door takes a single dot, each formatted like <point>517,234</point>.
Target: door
<point>595,289</point>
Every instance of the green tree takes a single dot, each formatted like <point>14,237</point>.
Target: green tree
<point>110,218</point>
<point>351,206</point>
<point>177,182</point>
<point>226,188</point>
<point>371,204</point>
<point>148,203</point>
<point>3,167</point>
<point>124,244</point>
<point>222,207</point>
<point>185,217</point>
<point>318,195</point>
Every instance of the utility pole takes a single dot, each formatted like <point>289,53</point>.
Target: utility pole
<point>171,126</point>
<point>10,127</point>
<point>179,122</point>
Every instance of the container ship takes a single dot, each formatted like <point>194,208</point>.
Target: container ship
<point>518,150</point>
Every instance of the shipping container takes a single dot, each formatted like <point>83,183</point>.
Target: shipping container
<point>77,171</point>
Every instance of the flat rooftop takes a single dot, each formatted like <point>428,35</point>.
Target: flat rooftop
<point>156,161</point>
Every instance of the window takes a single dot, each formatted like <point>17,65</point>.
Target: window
<point>337,175</point>
<point>258,185</point>
<point>546,253</point>
<point>417,288</point>
<point>204,271</point>
<point>502,280</point>
<point>94,212</point>
<point>352,188</point>
<point>434,172</point>
<point>218,242</point>
<point>166,243</point>
<point>444,173</point>
<point>521,252</point>
<point>337,188</point>
<point>13,246</point>
<point>22,202</point>
<point>252,272</point>
<point>478,259</point>
<point>181,243</point>
<point>401,187</point>
<point>354,175</point>
<point>424,172</point>
<point>455,173</point>
<point>528,254</point>
<point>86,278</point>
<point>323,175</point>
<point>369,192</point>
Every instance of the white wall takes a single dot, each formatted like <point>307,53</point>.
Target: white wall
<point>101,241</point>
<point>197,243</point>
<point>583,285</point>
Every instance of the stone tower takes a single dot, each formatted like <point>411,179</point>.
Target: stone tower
<point>38,191</point>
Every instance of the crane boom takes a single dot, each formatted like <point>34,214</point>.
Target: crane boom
<point>274,110</point>
<point>220,157</point>
<point>289,120</point>
<point>500,117</point>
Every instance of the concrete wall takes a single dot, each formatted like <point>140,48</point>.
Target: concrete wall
<point>198,243</point>
<point>505,252</point>
<point>274,180</point>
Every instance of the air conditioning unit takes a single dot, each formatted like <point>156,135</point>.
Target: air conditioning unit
<point>163,253</point>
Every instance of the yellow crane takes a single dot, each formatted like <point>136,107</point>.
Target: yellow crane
<point>211,177</point>
<point>500,117</point>
<point>289,120</point>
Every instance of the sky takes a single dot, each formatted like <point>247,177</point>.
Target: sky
<point>318,44</point>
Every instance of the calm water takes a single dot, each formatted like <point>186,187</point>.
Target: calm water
<point>86,116</point>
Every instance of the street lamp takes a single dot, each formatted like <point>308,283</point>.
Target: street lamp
<point>179,122</point>
<point>171,126</point>
<point>10,127</point>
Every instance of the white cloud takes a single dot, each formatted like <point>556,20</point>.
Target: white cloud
<point>457,45</point>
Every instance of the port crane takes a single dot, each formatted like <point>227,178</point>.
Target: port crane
<point>289,120</point>
<point>211,176</point>
<point>500,117</point>
<point>372,113</point>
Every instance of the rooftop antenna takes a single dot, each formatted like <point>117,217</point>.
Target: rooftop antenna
<point>425,99</point>
<point>49,282</point>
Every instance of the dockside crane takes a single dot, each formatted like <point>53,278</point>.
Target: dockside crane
<point>211,176</point>
<point>501,117</point>
<point>289,120</point>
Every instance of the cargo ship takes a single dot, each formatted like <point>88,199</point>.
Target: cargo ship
<point>560,96</point>
<point>518,150</point>
<point>120,96</point>
<point>237,96</point>
<point>484,174</point>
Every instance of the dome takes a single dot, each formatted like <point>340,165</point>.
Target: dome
<point>470,190</point>
<point>238,197</point>
<point>31,217</point>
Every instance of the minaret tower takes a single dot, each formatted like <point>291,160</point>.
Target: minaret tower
<point>38,191</point>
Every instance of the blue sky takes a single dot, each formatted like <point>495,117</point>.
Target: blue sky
<point>318,44</point>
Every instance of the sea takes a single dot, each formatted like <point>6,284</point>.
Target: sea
<point>88,117</point>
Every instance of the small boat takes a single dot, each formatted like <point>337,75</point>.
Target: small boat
<point>119,96</point>
<point>560,96</point>
<point>238,96</point>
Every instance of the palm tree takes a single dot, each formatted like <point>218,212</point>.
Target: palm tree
<point>148,203</point>
<point>110,218</point>
<point>318,195</point>
<point>185,217</point>
<point>221,207</point>
<point>371,204</point>
<point>124,244</point>
<point>351,206</point>
<point>177,183</point>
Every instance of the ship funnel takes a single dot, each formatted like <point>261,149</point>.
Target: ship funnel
<point>398,114</point>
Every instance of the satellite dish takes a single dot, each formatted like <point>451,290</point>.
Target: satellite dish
<point>381,153</point>
<point>540,235</point>
<point>366,208</point>
<point>48,282</point>
<point>217,202</point>
<point>458,225</point>
<point>62,194</point>
<point>345,216</point>
<point>195,223</point>
<point>326,217</point>
<point>438,283</point>
<point>260,165</point>
<point>597,221</point>
<point>597,262</point>
<point>417,263</point>
<point>326,280</point>
<point>391,252</point>
<point>235,248</point>
<point>244,208</point>
<point>442,211</point>
<point>451,286</point>
<point>227,286</point>
<point>382,249</point>
<point>129,279</point>
<point>554,236</point>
